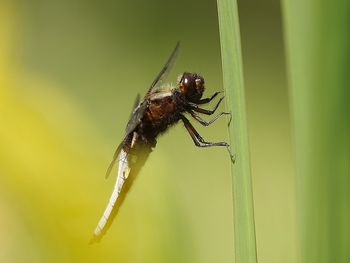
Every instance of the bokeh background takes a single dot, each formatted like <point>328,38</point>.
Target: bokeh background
<point>69,73</point>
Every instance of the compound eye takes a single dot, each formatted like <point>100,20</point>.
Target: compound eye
<point>186,81</point>
<point>199,82</point>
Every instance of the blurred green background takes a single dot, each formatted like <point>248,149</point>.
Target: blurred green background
<point>69,73</point>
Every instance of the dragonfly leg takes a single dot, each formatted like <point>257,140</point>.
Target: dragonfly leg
<point>199,141</point>
<point>207,100</point>
<point>207,123</point>
<point>196,108</point>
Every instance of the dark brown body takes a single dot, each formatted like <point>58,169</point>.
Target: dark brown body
<point>163,108</point>
<point>161,113</point>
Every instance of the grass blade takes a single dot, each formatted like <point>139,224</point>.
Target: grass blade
<point>318,41</point>
<point>244,227</point>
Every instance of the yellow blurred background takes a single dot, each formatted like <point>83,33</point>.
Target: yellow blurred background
<point>69,73</point>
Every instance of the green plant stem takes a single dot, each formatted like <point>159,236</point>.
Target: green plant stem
<point>317,44</point>
<point>244,227</point>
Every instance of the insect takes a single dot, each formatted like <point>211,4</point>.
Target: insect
<point>161,107</point>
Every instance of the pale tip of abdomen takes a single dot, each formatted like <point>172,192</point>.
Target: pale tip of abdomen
<point>96,237</point>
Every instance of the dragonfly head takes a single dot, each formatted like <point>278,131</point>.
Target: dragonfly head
<point>192,86</point>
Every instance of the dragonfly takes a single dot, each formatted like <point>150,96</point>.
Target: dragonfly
<point>162,107</point>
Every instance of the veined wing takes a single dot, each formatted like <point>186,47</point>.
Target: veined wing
<point>135,118</point>
<point>165,70</point>
<point>136,103</point>
<point>139,108</point>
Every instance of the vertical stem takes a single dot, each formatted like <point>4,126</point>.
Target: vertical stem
<point>318,41</point>
<point>244,227</point>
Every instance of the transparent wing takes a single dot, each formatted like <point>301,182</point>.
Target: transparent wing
<point>114,159</point>
<point>135,118</point>
<point>139,108</point>
<point>136,103</point>
<point>165,70</point>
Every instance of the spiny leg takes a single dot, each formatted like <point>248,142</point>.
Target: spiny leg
<point>197,139</point>
<point>207,123</point>
<point>196,108</point>
<point>207,100</point>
